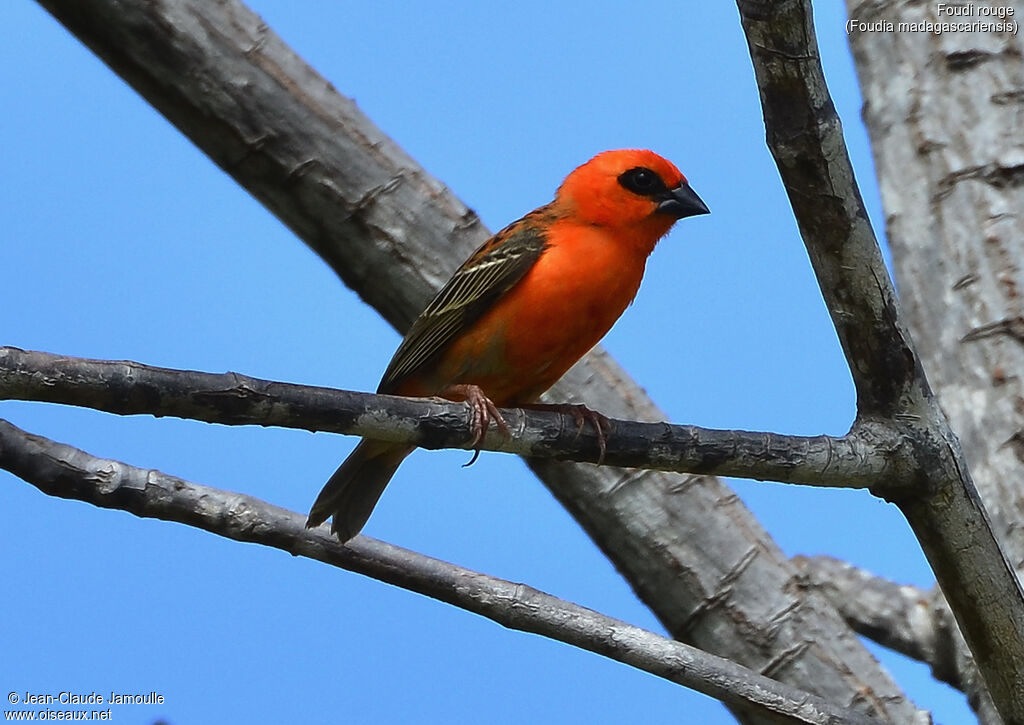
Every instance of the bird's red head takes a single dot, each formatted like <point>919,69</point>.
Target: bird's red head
<point>629,189</point>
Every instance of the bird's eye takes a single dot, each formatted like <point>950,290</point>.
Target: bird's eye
<point>642,181</point>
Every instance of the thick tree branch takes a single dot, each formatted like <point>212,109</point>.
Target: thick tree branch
<point>689,547</point>
<point>130,388</point>
<point>805,136</point>
<point>67,472</point>
<point>909,620</point>
<point>943,112</point>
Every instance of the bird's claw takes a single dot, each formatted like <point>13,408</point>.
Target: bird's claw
<point>602,426</point>
<point>482,412</point>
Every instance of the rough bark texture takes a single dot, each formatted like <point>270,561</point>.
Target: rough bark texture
<point>690,549</point>
<point>130,388</point>
<point>937,495</point>
<point>944,113</point>
<point>909,620</point>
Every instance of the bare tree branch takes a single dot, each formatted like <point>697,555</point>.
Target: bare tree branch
<point>688,546</point>
<point>944,510</point>
<point>67,472</point>
<point>130,388</point>
<point>909,620</point>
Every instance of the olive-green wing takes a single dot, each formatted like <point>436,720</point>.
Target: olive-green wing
<point>491,272</point>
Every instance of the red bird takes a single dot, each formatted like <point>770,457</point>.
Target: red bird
<point>522,310</point>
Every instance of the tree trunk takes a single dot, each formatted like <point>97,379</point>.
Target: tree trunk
<point>945,113</point>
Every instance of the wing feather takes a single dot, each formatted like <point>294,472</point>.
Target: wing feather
<point>492,271</point>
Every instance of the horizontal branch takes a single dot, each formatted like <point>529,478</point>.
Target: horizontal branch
<point>129,388</point>
<point>61,470</point>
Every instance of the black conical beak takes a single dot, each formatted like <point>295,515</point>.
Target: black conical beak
<point>681,202</point>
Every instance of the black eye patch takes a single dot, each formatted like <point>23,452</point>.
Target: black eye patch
<point>642,181</point>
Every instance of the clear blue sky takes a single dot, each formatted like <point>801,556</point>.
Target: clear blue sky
<point>121,240</point>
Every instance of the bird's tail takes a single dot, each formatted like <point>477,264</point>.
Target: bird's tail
<point>354,489</point>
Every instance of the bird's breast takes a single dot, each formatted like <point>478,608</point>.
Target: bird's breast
<point>561,308</point>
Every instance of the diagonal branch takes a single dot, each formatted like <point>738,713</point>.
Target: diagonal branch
<point>805,137</point>
<point>130,388</point>
<point>938,499</point>
<point>60,470</point>
<point>909,620</point>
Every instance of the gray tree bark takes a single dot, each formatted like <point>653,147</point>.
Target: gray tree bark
<point>945,113</point>
<point>911,621</point>
<point>128,388</point>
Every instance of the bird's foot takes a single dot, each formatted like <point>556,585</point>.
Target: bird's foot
<point>482,413</point>
<point>581,414</point>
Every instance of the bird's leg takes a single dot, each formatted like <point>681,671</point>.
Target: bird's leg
<point>581,414</point>
<point>482,412</point>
